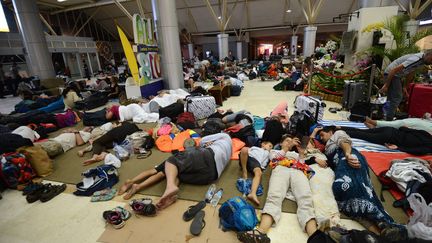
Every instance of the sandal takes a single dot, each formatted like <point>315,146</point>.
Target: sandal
<point>144,155</point>
<point>125,214</point>
<point>254,236</point>
<point>198,223</point>
<point>143,206</point>
<point>193,210</point>
<point>104,195</point>
<point>113,218</point>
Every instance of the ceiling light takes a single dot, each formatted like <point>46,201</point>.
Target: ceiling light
<point>289,11</point>
<point>425,22</point>
<point>60,1</point>
<point>219,17</point>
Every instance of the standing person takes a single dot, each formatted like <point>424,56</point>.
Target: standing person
<point>2,78</point>
<point>86,70</point>
<point>404,66</point>
<point>16,78</point>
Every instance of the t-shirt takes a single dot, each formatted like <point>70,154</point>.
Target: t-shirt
<point>68,140</point>
<point>260,154</point>
<point>336,140</point>
<point>410,63</point>
<point>277,154</point>
<point>27,132</point>
<point>222,148</point>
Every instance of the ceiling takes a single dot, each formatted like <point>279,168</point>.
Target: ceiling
<point>260,13</point>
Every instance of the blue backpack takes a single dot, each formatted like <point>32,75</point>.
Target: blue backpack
<point>236,214</point>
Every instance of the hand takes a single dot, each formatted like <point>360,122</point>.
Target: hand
<point>322,163</point>
<point>296,142</point>
<point>391,146</point>
<point>384,89</point>
<point>352,161</point>
<point>207,144</point>
<point>317,129</point>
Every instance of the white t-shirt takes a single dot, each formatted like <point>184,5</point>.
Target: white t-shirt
<point>68,140</point>
<point>27,132</point>
<point>260,154</point>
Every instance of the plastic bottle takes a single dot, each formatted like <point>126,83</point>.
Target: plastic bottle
<point>210,192</point>
<point>216,197</point>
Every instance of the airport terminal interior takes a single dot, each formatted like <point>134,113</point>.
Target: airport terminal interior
<point>216,121</point>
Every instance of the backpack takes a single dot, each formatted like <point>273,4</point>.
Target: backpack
<point>212,126</point>
<point>104,176</point>
<point>300,123</point>
<point>96,118</point>
<point>186,120</point>
<point>15,170</point>
<point>236,90</point>
<point>236,214</point>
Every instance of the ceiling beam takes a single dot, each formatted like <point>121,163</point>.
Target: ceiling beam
<point>89,5</point>
<point>53,5</point>
<point>123,9</point>
<point>87,21</point>
<point>47,24</point>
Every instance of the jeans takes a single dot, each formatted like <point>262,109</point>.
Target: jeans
<point>394,97</point>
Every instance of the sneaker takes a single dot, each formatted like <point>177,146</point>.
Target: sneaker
<point>113,218</point>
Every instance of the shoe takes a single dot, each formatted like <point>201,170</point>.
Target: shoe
<point>143,206</point>
<point>35,195</point>
<point>31,187</point>
<point>113,218</point>
<point>51,191</point>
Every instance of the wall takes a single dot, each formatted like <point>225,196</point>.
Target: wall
<point>210,43</point>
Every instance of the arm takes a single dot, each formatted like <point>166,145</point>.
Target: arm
<point>390,77</point>
<point>79,140</point>
<point>352,161</point>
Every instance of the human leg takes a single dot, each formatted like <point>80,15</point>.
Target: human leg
<point>95,158</point>
<point>85,150</point>
<point>153,179</point>
<point>244,153</point>
<point>380,135</point>
<point>394,97</point>
<point>255,183</point>
<point>171,190</point>
<point>303,195</point>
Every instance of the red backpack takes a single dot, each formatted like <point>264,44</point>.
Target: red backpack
<point>187,120</point>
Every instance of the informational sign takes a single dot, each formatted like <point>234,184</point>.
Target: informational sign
<point>143,30</point>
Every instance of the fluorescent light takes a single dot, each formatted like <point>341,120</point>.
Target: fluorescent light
<point>289,11</point>
<point>60,1</point>
<point>425,22</point>
<point>219,17</point>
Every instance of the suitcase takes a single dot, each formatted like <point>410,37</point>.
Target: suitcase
<point>354,92</point>
<point>420,100</point>
<point>312,104</point>
<point>201,106</point>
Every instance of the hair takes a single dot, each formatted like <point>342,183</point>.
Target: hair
<point>266,142</point>
<point>285,136</point>
<point>71,87</point>
<point>328,129</point>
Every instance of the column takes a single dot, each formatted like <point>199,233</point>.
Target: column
<point>165,16</point>
<point>78,59</point>
<point>90,63</point>
<point>98,62</point>
<point>223,45</point>
<point>191,50</point>
<point>293,47</point>
<point>411,27</point>
<point>37,54</point>
<point>239,51</point>
<point>309,40</point>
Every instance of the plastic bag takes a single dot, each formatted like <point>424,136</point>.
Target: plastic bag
<point>420,223</point>
<point>123,150</point>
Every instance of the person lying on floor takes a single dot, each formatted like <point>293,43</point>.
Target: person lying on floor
<point>116,135</point>
<point>196,165</point>
<point>163,99</point>
<point>412,141</point>
<point>131,112</point>
<point>95,134</point>
<point>70,138</point>
<point>289,175</point>
<point>413,123</point>
<point>352,186</point>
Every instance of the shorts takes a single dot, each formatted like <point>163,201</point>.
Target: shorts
<point>160,167</point>
<point>251,164</point>
<point>195,166</point>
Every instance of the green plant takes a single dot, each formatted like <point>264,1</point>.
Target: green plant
<point>403,46</point>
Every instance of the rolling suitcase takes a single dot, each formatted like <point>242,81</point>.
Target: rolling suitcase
<point>420,100</point>
<point>354,92</point>
<point>201,106</point>
<point>312,104</point>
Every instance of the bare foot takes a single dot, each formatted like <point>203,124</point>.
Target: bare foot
<point>168,202</point>
<point>132,190</point>
<point>80,153</point>
<point>253,198</point>
<point>368,125</point>
<point>126,186</point>
<point>167,197</point>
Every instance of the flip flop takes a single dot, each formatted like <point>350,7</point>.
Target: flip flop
<point>144,155</point>
<point>253,237</point>
<point>198,223</point>
<point>193,210</point>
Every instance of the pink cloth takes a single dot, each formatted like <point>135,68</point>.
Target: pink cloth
<point>281,110</point>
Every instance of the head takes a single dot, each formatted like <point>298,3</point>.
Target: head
<point>267,145</point>
<point>428,57</point>
<point>287,142</point>
<point>109,115</point>
<point>326,133</point>
<point>73,86</point>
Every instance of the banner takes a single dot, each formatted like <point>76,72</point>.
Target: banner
<point>130,56</point>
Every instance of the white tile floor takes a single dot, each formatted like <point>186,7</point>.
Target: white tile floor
<point>7,105</point>
<point>68,218</point>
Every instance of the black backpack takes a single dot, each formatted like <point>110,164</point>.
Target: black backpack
<point>300,123</point>
<point>93,101</point>
<point>94,118</point>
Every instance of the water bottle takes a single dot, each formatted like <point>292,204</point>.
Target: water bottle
<point>216,197</point>
<point>210,192</point>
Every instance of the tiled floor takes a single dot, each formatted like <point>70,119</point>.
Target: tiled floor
<point>68,218</point>
<point>7,105</point>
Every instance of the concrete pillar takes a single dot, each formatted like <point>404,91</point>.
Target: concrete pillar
<point>90,64</point>
<point>309,40</point>
<point>293,46</point>
<point>223,45</point>
<point>98,62</point>
<point>411,27</point>
<point>165,16</point>
<point>78,59</point>
<point>239,51</point>
<point>37,55</point>
<point>191,50</point>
